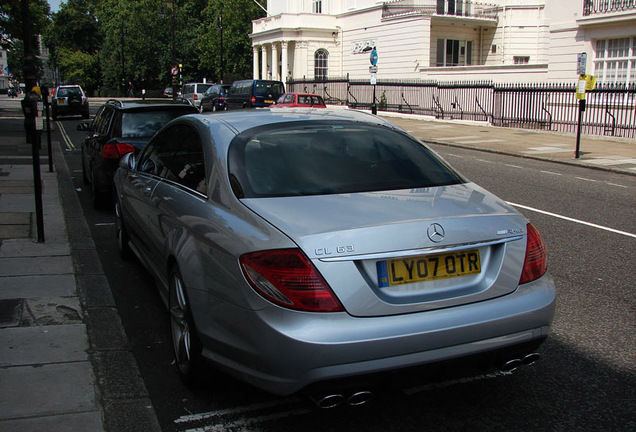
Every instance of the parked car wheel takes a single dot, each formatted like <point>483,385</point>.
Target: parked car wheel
<point>122,234</point>
<point>186,344</point>
<point>84,176</point>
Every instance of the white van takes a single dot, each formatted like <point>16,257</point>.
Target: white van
<point>194,92</point>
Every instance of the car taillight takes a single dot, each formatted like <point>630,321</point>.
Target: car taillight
<point>196,96</point>
<point>536,262</point>
<point>253,99</point>
<point>287,277</point>
<point>116,150</point>
<point>221,99</point>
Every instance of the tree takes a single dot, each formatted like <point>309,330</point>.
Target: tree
<point>236,25</point>
<point>11,28</point>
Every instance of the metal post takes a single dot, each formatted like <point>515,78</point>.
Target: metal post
<point>45,97</point>
<point>374,107</point>
<point>578,129</point>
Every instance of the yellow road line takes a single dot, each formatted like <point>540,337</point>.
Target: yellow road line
<point>67,139</point>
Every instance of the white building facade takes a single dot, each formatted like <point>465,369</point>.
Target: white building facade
<point>505,41</point>
<point>4,70</point>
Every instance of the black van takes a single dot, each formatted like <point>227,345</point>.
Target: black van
<point>253,93</point>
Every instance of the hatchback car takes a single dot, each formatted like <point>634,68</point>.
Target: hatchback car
<point>214,98</point>
<point>304,100</point>
<point>69,100</point>
<point>296,247</point>
<point>119,128</point>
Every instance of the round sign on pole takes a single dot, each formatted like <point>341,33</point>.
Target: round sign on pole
<point>174,71</point>
<point>373,58</point>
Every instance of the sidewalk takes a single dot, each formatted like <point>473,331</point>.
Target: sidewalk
<point>598,152</point>
<point>65,361</point>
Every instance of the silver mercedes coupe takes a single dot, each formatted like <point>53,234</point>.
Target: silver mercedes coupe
<point>299,247</point>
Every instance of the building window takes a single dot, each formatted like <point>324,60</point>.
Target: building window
<point>521,60</point>
<point>453,52</point>
<point>321,63</point>
<point>615,60</point>
<point>316,6</point>
<point>453,7</point>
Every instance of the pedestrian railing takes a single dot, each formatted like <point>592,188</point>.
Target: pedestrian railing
<point>610,109</point>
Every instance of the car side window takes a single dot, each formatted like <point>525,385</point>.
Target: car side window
<point>98,119</point>
<point>177,155</point>
<point>104,123</point>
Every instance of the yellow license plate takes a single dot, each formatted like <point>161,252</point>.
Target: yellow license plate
<point>269,101</point>
<point>428,267</point>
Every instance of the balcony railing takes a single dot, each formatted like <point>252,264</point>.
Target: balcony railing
<point>462,8</point>
<point>597,7</point>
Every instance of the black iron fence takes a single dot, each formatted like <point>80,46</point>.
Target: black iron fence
<point>594,7</point>
<point>610,109</point>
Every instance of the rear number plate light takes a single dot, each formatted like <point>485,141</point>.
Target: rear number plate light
<point>428,267</point>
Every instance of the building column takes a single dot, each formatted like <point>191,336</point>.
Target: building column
<point>255,64</point>
<point>284,61</point>
<point>275,75</point>
<point>263,61</point>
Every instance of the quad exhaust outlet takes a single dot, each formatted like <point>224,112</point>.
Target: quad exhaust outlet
<point>514,364</point>
<point>333,400</point>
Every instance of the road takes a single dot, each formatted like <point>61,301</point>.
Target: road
<point>586,380</point>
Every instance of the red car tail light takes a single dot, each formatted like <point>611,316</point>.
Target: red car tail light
<point>536,262</point>
<point>287,277</point>
<point>196,96</point>
<point>221,99</point>
<point>116,150</point>
<point>253,99</point>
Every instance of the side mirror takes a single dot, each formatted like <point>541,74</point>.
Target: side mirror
<point>128,161</point>
<point>84,126</point>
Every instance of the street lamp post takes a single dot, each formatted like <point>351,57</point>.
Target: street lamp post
<point>219,25</point>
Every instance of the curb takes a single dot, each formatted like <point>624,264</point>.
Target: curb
<point>121,392</point>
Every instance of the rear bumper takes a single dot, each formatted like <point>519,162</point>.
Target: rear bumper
<point>283,351</point>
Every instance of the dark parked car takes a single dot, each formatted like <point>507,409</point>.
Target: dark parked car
<point>214,98</point>
<point>294,247</point>
<point>253,93</point>
<point>119,128</point>
<point>69,100</point>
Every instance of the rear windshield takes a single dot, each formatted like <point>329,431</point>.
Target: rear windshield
<point>69,91</point>
<point>264,88</point>
<point>147,123</point>
<point>201,88</point>
<point>331,158</point>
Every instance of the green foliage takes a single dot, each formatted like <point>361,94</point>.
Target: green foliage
<point>236,23</point>
<point>11,27</point>
<point>78,67</point>
<point>74,27</point>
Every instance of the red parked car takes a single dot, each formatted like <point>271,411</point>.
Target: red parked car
<point>304,100</point>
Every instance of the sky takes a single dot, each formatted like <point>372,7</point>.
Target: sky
<point>55,5</point>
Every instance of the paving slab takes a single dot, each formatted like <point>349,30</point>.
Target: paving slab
<point>22,391</point>
<point>84,422</point>
<point>24,287</point>
<point>45,265</point>
<point>22,346</point>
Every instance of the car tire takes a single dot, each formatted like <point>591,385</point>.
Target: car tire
<point>123,246</point>
<point>185,341</point>
<point>96,197</point>
<point>84,176</point>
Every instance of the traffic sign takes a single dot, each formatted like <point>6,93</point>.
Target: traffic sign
<point>174,71</point>
<point>373,58</point>
<point>373,69</point>
<point>581,63</point>
<point>373,79</point>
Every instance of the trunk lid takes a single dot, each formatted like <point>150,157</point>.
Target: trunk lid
<point>355,239</point>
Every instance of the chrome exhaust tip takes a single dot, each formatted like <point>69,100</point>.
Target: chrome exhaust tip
<point>329,401</point>
<point>511,365</point>
<point>360,398</point>
<point>531,358</point>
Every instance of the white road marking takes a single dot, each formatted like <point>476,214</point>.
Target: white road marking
<point>483,141</point>
<point>624,233</point>
<point>513,166</point>
<point>105,224</point>
<point>617,185</point>
<point>67,139</point>
<point>586,179</point>
<point>551,173</point>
